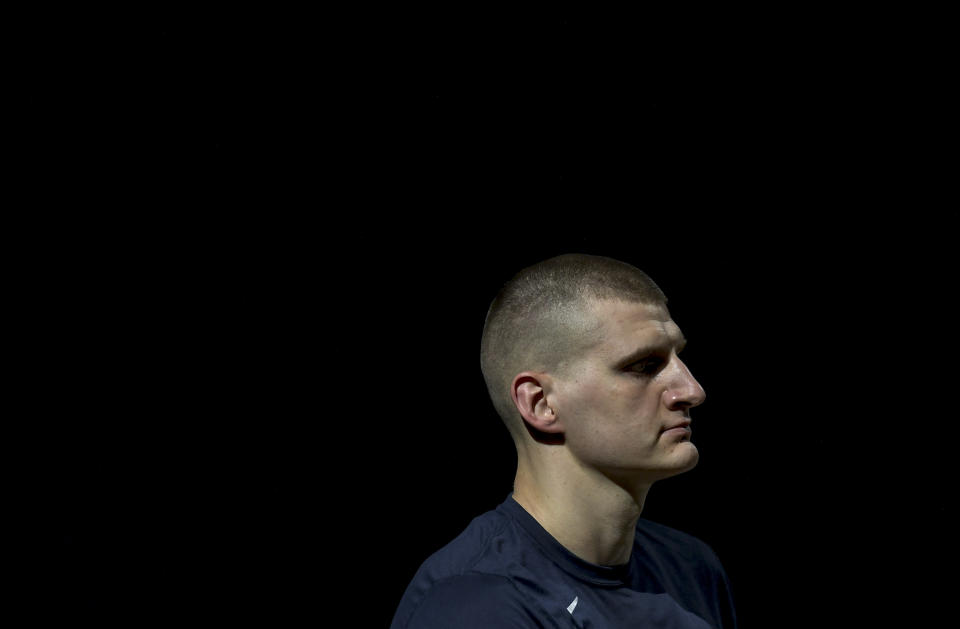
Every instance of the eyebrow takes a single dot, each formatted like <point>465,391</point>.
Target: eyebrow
<point>646,350</point>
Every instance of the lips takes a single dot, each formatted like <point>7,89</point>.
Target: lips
<point>685,424</point>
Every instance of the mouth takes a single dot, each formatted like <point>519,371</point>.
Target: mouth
<point>680,428</point>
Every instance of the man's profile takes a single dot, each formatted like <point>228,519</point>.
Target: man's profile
<point>580,357</point>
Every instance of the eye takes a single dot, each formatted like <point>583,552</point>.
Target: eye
<point>646,367</point>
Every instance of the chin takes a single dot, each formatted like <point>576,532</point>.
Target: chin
<point>692,459</point>
<point>683,458</point>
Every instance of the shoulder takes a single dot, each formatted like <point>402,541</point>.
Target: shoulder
<point>470,600</point>
<point>465,551</point>
<point>656,537</point>
<point>689,569</point>
<point>468,576</point>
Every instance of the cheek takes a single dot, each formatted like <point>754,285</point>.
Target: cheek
<point>620,408</point>
<point>631,400</point>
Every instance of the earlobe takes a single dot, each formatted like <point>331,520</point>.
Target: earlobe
<point>531,401</point>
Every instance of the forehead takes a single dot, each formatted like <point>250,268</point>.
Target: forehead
<point>626,325</point>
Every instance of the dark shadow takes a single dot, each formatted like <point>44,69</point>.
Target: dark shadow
<point>550,439</point>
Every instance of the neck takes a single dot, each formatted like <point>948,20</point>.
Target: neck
<point>590,514</point>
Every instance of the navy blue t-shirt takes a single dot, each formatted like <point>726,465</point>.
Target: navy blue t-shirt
<point>505,570</point>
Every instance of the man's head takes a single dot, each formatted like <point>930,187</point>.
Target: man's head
<point>581,350</point>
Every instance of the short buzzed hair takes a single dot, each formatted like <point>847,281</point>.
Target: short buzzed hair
<point>538,319</point>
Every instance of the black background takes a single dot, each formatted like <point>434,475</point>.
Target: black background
<point>261,306</point>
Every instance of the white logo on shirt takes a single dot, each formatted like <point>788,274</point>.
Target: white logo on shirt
<point>573,605</point>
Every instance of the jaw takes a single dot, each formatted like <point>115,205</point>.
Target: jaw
<point>682,457</point>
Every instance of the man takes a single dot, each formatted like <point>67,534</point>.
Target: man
<point>580,357</point>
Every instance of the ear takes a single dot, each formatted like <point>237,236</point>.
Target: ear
<point>528,390</point>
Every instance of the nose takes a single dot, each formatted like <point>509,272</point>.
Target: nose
<point>683,391</point>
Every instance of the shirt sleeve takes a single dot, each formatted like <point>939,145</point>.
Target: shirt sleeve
<point>473,601</point>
